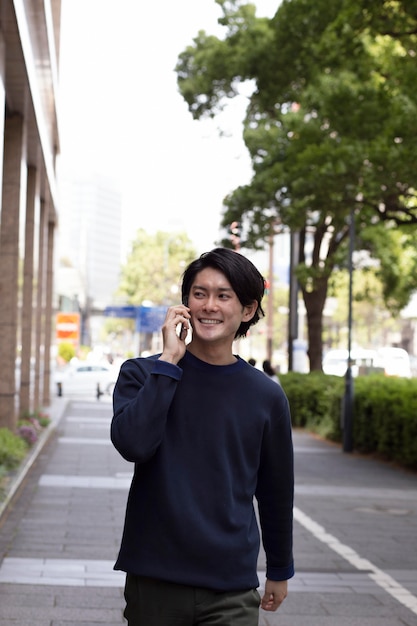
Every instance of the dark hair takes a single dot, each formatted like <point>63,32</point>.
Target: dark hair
<point>267,368</point>
<point>247,282</point>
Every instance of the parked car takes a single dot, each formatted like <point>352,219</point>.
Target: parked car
<point>362,362</point>
<point>335,362</point>
<point>394,361</point>
<point>93,379</point>
<point>388,361</point>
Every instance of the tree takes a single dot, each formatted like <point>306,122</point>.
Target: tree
<point>154,266</point>
<point>331,128</point>
<point>373,324</point>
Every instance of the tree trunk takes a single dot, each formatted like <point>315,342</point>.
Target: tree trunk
<point>314,302</point>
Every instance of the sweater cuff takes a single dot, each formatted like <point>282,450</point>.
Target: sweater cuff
<point>280,573</point>
<point>167,369</point>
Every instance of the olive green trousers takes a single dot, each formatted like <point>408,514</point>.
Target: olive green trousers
<point>151,602</point>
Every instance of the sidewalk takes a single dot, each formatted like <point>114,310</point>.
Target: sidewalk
<point>60,537</point>
<point>355,534</point>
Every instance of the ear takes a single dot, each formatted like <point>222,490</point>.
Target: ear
<point>249,311</point>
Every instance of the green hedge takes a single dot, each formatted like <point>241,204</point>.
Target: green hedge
<point>12,449</point>
<point>384,414</point>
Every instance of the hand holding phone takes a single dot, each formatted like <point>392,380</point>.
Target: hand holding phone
<point>174,333</point>
<point>183,331</point>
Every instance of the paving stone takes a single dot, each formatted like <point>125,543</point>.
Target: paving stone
<point>63,557</point>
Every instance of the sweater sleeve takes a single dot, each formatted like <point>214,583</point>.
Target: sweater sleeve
<point>275,493</point>
<point>141,401</point>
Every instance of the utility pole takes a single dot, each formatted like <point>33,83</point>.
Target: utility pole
<point>348,399</point>
<point>293,298</point>
<point>270,305</point>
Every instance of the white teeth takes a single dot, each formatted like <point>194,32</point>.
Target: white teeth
<point>210,321</point>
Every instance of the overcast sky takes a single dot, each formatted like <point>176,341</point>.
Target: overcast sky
<point>121,113</point>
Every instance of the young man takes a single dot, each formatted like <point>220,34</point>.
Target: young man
<point>208,433</point>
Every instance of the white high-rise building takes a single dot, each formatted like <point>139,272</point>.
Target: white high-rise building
<point>89,242</point>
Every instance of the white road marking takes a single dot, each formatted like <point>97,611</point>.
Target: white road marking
<point>385,581</point>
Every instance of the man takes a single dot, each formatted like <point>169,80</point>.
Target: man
<point>207,433</point>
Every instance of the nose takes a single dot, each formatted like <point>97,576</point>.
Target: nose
<point>211,303</point>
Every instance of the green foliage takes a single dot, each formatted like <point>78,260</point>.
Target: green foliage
<point>315,401</point>
<point>31,424</point>
<point>37,416</point>
<point>280,315</point>
<point>14,446</point>
<point>384,414</point>
<point>385,418</point>
<point>13,449</point>
<point>372,324</point>
<point>331,126</point>
<point>210,70</point>
<point>154,267</point>
<point>66,351</point>
<point>395,249</point>
<point>196,76</point>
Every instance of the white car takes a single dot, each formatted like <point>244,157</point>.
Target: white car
<point>395,362</point>
<point>335,362</point>
<point>389,361</point>
<point>93,379</point>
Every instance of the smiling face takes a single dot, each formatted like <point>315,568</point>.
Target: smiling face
<point>216,312</point>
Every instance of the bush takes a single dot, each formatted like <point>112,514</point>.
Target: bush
<point>37,418</point>
<point>13,449</point>
<point>66,351</point>
<point>28,433</point>
<point>315,401</point>
<point>31,425</point>
<point>385,418</point>
<point>14,446</point>
<point>384,412</point>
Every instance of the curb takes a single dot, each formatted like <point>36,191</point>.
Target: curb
<point>12,487</point>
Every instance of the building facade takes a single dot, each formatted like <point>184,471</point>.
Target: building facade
<point>29,50</point>
<point>89,243</point>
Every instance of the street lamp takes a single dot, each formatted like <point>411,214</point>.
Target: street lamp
<point>348,398</point>
<point>293,297</point>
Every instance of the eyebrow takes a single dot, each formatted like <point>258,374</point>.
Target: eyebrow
<point>217,289</point>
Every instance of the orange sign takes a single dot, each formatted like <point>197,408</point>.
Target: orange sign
<point>68,327</point>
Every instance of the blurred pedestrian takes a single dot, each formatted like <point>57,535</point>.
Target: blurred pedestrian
<point>208,433</point>
<point>270,371</point>
<point>252,362</point>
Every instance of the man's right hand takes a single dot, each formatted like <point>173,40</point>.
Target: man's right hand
<point>173,341</point>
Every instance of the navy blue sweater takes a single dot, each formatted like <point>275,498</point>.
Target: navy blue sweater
<point>205,440</point>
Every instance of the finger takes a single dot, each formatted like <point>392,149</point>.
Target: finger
<point>183,332</point>
<point>177,315</point>
<point>270,602</point>
<point>179,308</point>
<point>266,600</point>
